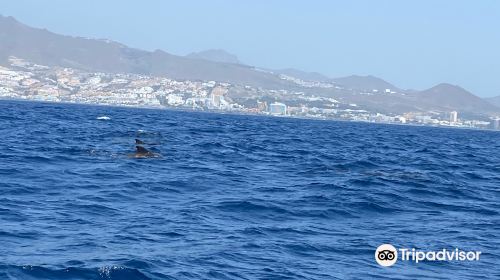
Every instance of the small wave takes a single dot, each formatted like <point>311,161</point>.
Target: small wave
<point>77,273</point>
<point>236,197</point>
<point>104,118</point>
<point>251,207</point>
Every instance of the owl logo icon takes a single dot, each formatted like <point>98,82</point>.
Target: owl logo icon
<point>386,255</point>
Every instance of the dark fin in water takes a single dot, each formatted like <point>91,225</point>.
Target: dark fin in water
<point>139,142</point>
<point>141,150</point>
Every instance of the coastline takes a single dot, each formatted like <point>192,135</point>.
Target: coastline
<point>239,113</point>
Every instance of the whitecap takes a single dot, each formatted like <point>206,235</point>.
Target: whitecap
<point>104,118</point>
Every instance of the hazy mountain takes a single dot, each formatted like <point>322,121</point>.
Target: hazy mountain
<point>451,97</point>
<point>47,48</point>
<point>442,98</point>
<point>306,76</point>
<point>44,47</point>
<point>364,83</point>
<point>494,100</point>
<point>215,56</point>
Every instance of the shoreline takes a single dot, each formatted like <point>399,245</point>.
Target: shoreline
<point>239,113</point>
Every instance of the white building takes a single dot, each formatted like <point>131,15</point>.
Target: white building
<point>401,119</point>
<point>277,108</point>
<point>175,99</point>
<point>454,117</point>
<point>496,124</point>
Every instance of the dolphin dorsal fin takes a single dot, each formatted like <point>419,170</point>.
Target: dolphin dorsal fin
<point>139,142</point>
<point>141,150</point>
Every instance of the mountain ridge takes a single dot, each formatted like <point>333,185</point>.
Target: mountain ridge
<point>44,47</point>
<point>215,55</point>
<point>495,100</point>
<point>454,97</point>
<point>365,82</point>
<point>101,55</point>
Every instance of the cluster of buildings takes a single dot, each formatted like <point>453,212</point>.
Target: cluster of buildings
<point>449,119</point>
<point>307,84</point>
<point>28,81</point>
<point>34,82</point>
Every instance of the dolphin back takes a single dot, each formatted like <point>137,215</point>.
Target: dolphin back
<point>141,150</point>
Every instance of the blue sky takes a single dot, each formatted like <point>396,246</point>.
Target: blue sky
<point>413,44</point>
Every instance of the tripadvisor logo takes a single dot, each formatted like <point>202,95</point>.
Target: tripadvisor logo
<point>387,255</point>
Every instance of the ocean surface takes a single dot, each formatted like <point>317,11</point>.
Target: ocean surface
<point>238,197</point>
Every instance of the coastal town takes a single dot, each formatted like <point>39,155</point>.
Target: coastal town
<point>23,80</point>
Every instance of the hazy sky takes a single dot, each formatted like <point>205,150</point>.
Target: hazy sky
<point>413,44</point>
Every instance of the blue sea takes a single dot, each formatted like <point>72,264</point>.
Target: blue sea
<point>238,197</point>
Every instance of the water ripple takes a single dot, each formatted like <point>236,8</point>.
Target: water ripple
<point>237,197</point>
